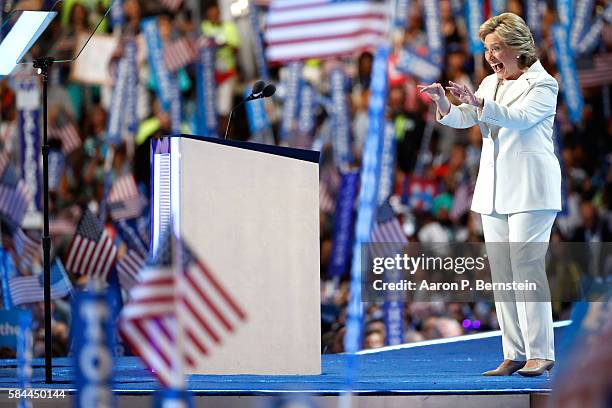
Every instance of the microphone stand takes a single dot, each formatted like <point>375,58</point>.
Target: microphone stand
<point>43,64</point>
<point>242,102</point>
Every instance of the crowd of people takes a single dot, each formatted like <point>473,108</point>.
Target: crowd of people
<point>435,166</point>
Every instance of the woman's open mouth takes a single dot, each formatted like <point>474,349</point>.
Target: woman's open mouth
<point>497,67</point>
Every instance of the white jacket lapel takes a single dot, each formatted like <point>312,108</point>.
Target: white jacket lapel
<point>522,84</point>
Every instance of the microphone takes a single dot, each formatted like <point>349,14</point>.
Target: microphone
<point>259,91</point>
<point>258,87</point>
<point>268,91</point>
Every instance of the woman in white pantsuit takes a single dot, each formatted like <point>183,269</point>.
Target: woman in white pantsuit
<point>518,190</point>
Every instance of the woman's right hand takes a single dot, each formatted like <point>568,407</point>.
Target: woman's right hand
<point>437,94</point>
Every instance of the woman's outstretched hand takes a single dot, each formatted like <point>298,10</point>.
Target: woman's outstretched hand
<point>464,94</point>
<point>437,94</point>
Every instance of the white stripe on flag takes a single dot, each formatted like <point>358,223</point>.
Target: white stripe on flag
<point>300,30</point>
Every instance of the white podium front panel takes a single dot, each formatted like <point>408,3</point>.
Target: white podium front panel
<point>253,218</point>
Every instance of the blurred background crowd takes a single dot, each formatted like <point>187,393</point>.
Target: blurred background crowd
<point>435,167</point>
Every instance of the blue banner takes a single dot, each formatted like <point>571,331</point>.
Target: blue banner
<point>393,308</point>
<point>341,132</point>
<point>306,120</point>
<point>131,94</point>
<point>91,340</point>
<point>534,18</point>
<point>582,17</point>
<point>394,321</point>
<point>10,320</point>
<point>424,69</point>
<point>175,105</point>
<point>457,9</point>
<point>567,68</point>
<point>29,135</point>
<point>117,17</point>
<point>387,164</point>
<point>343,221</point>
<point>498,6</point>
<point>290,106</point>
<point>565,12</point>
<point>117,108</point>
<point>370,174</point>
<point>591,39</point>
<point>25,346</point>
<point>155,54</point>
<point>473,21</point>
<point>435,41</point>
<point>56,168</point>
<point>259,126</point>
<point>260,57</point>
<point>400,13</point>
<point>207,123</point>
<point>7,269</point>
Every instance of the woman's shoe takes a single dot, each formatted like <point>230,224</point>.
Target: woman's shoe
<point>507,367</point>
<point>536,366</point>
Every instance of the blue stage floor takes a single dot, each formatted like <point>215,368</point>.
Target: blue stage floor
<point>449,366</point>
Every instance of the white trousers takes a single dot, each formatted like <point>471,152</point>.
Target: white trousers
<point>527,330</point>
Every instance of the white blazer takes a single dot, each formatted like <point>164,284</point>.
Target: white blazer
<point>518,167</point>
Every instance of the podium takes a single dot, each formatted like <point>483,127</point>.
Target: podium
<point>250,212</point>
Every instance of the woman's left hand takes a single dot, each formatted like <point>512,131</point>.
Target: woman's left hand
<point>464,94</point>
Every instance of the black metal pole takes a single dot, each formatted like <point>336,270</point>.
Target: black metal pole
<point>43,65</point>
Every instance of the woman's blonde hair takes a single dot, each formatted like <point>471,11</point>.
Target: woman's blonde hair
<point>515,33</point>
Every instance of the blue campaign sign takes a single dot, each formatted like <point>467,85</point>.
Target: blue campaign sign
<point>9,326</point>
<point>570,86</point>
<point>93,361</point>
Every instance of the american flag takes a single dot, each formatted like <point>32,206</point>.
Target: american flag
<point>302,29</point>
<point>68,134</point>
<point>21,246</point>
<point>179,53</point>
<point>599,74</point>
<point>128,267</point>
<point>30,289</point>
<point>91,252</point>
<point>14,199</point>
<point>124,199</point>
<point>387,235</point>
<point>172,5</point>
<point>149,322</point>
